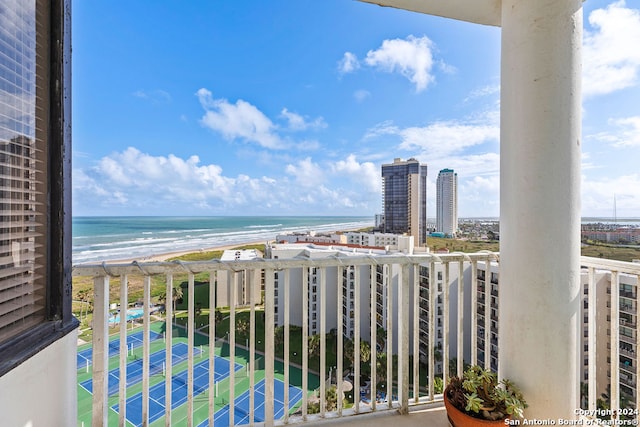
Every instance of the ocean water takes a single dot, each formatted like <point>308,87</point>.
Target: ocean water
<point>97,239</point>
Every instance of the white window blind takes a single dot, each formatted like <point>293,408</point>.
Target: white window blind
<point>22,170</point>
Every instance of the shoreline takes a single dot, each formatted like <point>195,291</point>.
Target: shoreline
<point>161,257</point>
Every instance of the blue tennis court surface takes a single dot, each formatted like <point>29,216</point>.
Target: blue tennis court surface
<point>134,368</point>
<point>241,405</point>
<point>179,390</point>
<point>135,339</point>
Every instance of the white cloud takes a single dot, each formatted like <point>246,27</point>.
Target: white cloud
<point>306,173</point>
<point>412,58</point>
<point>348,64</point>
<point>156,96</point>
<point>440,139</point>
<point>483,92</point>
<point>629,131</point>
<point>625,133</point>
<point>361,94</point>
<point>611,55</point>
<point>481,196</point>
<point>241,120</point>
<point>132,181</point>
<point>298,122</point>
<point>598,195</point>
<point>366,174</point>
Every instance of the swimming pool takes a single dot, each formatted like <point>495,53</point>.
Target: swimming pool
<point>132,313</point>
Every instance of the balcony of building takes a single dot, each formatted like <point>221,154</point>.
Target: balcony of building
<point>261,358</point>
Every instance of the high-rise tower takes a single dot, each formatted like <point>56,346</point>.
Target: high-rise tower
<point>404,192</point>
<point>447,202</point>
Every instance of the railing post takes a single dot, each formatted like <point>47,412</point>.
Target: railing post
<point>269,349</point>
<point>356,338</point>
<point>100,350</point>
<point>339,338</point>
<point>592,334</point>
<point>305,339</point>
<point>287,312</point>
<point>474,312</point>
<point>373,282</point>
<point>403,357</point>
<point>146,353</point>
<point>615,341</point>
<point>122,396</point>
<point>415,289</point>
<point>323,342</point>
<point>446,312</point>
<point>168,337</point>
<point>190,339</point>
<point>251,279</point>
<point>212,346</point>
<point>460,321</point>
<point>431,350</point>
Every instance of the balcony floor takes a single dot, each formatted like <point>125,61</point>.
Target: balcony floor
<point>431,415</point>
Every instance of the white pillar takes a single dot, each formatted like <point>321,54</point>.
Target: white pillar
<point>540,203</point>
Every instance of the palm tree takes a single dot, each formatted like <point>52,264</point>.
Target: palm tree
<point>278,338</point>
<point>381,338</point>
<point>178,293</point>
<point>218,316</point>
<point>381,366</point>
<point>82,296</point>
<point>314,345</point>
<point>242,328</point>
<point>365,351</point>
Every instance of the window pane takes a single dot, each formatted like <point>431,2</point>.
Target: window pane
<point>22,295</point>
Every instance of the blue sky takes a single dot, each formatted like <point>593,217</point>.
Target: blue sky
<point>290,107</point>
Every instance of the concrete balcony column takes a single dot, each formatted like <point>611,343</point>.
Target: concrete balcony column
<point>540,202</point>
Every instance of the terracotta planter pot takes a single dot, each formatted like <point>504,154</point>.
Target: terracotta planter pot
<point>457,418</point>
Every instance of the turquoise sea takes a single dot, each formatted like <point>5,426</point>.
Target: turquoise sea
<point>97,239</point>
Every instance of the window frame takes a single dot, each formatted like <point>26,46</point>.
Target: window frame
<point>59,320</point>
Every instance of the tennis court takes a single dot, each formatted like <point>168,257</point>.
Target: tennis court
<point>134,340</point>
<point>222,368</point>
<point>157,361</point>
<point>241,405</point>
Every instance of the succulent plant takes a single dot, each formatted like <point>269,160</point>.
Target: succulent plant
<point>479,394</point>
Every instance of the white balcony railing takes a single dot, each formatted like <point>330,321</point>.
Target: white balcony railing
<point>410,294</point>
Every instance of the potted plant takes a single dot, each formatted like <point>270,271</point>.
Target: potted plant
<point>479,399</point>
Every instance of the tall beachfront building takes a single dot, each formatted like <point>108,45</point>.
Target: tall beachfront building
<point>447,202</point>
<point>404,192</point>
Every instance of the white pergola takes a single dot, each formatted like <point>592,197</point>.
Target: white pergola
<point>540,130</point>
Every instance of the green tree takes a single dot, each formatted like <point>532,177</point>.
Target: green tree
<point>314,345</point>
<point>331,402</point>
<point>242,328</point>
<point>178,294</point>
<point>278,338</point>
<point>381,338</point>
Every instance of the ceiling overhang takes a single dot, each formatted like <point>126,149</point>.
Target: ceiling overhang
<point>486,12</point>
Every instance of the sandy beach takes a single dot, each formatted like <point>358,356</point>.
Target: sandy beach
<point>165,256</point>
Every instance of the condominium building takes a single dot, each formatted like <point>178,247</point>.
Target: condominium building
<point>627,332</point>
<point>353,286</point>
<point>487,312</point>
<point>447,202</point>
<point>404,191</point>
<point>627,327</point>
<point>389,241</point>
<point>242,288</point>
